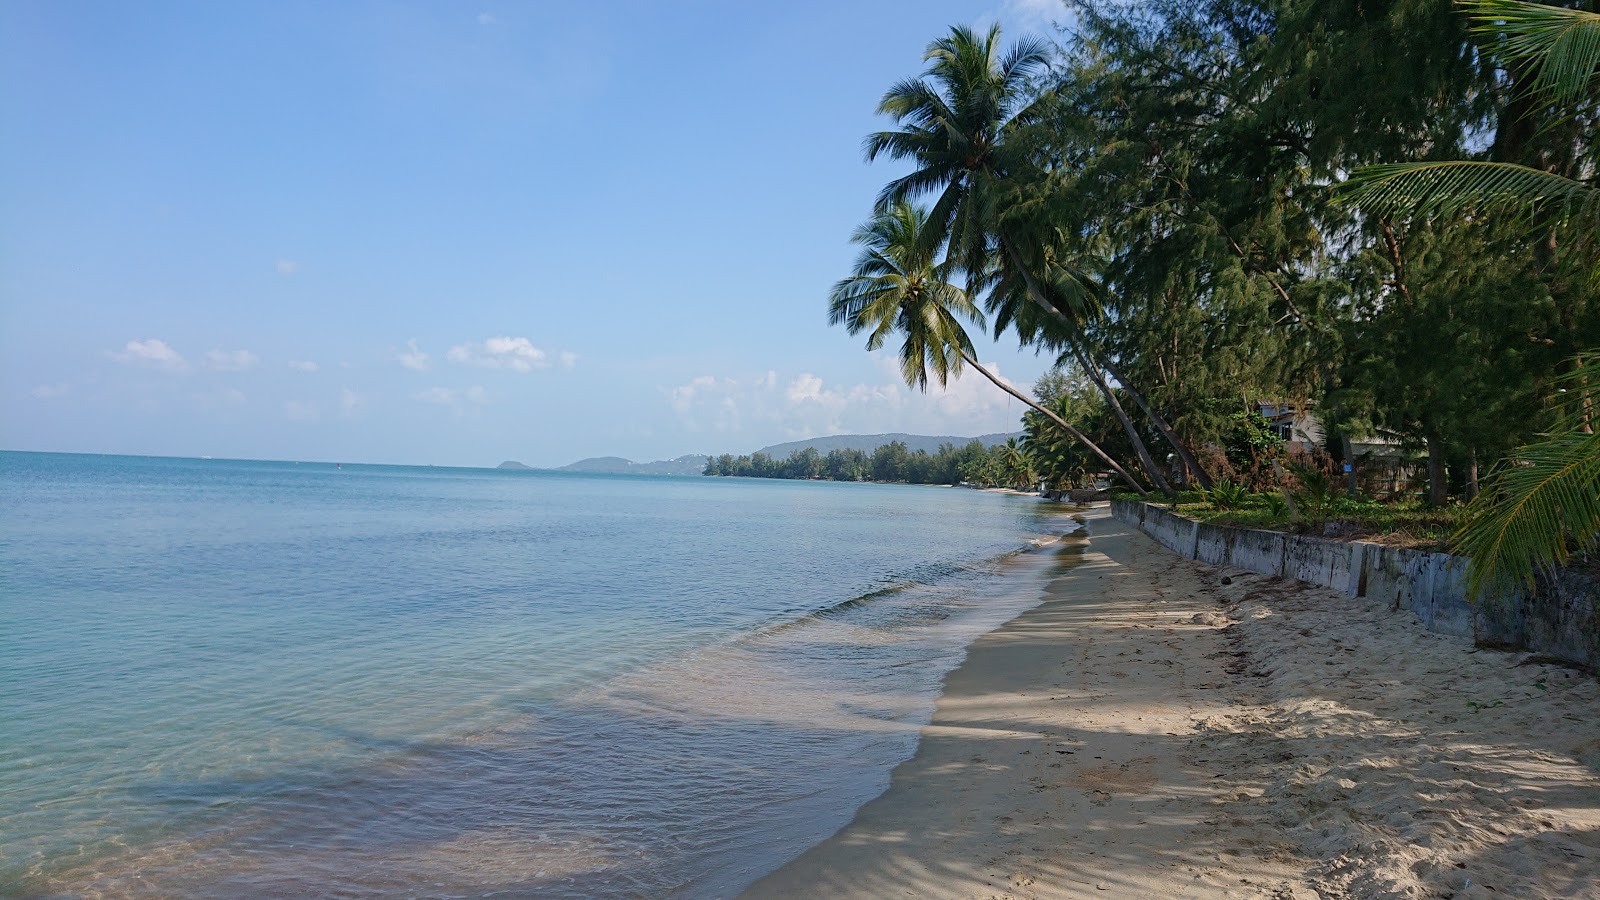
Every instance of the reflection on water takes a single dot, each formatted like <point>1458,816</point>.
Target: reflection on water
<point>693,766</point>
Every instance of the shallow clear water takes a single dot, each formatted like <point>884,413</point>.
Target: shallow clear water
<point>274,679</point>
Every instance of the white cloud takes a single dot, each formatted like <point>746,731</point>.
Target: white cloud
<point>287,267</point>
<point>805,387</point>
<point>451,397</point>
<point>349,401</point>
<point>517,354</point>
<point>683,397</point>
<point>805,405</point>
<point>297,411</point>
<point>303,365</point>
<point>486,19</point>
<point>413,357</point>
<point>152,354</point>
<point>568,359</point>
<point>231,360</point>
<point>51,391</point>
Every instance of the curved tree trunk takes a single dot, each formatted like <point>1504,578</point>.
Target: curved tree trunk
<point>1157,477</point>
<point>1189,461</point>
<point>1039,299</point>
<point>1065,425</point>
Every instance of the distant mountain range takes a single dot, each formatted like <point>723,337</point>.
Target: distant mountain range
<point>688,464</point>
<point>616,465</point>
<point>867,443</point>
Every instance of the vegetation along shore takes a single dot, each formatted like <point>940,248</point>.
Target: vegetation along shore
<point>1304,263</point>
<point>1328,268</point>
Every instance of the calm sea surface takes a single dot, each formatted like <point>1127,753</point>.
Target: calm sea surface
<point>229,678</point>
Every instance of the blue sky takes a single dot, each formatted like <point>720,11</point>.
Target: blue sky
<point>451,233</point>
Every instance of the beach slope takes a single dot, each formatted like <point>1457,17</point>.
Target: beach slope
<point>1150,731</point>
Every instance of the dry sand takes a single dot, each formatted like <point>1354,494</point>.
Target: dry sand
<point>1149,731</point>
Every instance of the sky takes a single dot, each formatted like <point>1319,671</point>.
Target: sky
<point>453,233</point>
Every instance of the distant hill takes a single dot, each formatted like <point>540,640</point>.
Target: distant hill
<point>870,442</point>
<point>513,464</point>
<point>690,464</point>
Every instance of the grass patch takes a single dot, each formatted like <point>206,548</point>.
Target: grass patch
<point>1403,524</point>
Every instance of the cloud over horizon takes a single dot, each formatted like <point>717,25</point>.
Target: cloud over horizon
<point>153,353</point>
<point>517,354</point>
<point>763,407</point>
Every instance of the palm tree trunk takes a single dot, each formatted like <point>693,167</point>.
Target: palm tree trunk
<point>1472,476</point>
<point>1145,459</point>
<point>1178,446</point>
<point>1040,300</point>
<point>1066,426</point>
<point>1438,487</point>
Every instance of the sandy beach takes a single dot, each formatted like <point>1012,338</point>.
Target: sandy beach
<point>1160,728</point>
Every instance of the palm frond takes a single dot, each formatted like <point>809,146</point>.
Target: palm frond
<point>1534,510</point>
<point>915,102</point>
<point>1426,189</point>
<point>1562,45</point>
<point>1025,57</point>
<point>897,287</point>
<point>911,143</point>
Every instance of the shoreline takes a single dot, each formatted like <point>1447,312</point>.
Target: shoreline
<point>1151,731</point>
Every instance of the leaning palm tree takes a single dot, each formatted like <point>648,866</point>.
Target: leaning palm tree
<point>960,124</point>
<point>897,287</point>
<point>1545,498</point>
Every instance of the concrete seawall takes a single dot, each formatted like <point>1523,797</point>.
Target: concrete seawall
<point>1559,618</point>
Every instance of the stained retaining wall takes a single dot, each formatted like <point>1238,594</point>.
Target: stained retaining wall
<point>1559,618</point>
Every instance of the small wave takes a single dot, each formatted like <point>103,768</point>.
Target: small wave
<point>931,574</point>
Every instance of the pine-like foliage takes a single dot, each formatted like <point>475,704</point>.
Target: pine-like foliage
<point>1560,45</point>
<point>1544,500</point>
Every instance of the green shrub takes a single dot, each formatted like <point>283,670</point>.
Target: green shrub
<point>1226,494</point>
<point>1275,505</point>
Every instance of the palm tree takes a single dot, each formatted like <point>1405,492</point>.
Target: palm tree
<point>1545,498</point>
<point>897,287</point>
<point>960,124</point>
<point>1018,467</point>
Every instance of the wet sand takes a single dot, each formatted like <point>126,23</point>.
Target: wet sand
<point>1149,731</point>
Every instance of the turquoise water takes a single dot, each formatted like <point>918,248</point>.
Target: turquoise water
<point>271,679</point>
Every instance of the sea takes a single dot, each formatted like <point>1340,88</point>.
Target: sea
<point>278,679</point>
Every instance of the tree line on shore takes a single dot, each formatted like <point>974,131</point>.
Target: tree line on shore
<point>1003,465</point>
<point>1385,211</point>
